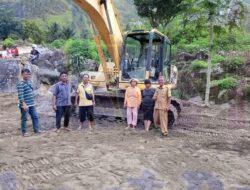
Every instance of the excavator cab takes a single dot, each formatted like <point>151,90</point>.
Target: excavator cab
<point>145,55</point>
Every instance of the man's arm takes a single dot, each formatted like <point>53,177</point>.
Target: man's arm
<point>93,95</point>
<point>55,92</point>
<point>169,97</point>
<point>54,102</point>
<point>77,95</point>
<point>155,95</point>
<point>20,93</point>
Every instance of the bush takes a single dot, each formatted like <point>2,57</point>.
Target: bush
<point>57,44</point>
<point>226,83</point>
<point>78,51</point>
<point>217,59</point>
<point>195,46</point>
<point>198,65</point>
<point>32,31</point>
<point>8,42</point>
<point>9,25</point>
<point>234,63</point>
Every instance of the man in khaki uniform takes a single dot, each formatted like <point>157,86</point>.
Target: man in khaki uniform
<point>162,99</point>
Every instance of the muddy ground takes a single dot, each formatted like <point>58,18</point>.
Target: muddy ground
<point>207,150</point>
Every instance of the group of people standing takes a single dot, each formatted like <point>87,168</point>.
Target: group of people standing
<point>61,102</point>
<point>154,103</point>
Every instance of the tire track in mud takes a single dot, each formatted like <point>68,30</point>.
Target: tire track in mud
<point>186,124</point>
<point>44,170</point>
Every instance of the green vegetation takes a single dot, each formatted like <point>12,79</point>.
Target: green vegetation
<point>9,25</point>
<point>57,44</point>
<point>8,42</point>
<point>78,51</point>
<point>217,59</point>
<point>197,65</point>
<point>233,64</point>
<point>31,31</point>
<point>226,83</point>
<point>158,12</point>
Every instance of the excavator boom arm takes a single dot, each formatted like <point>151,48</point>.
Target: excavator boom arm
<point>106,21</point>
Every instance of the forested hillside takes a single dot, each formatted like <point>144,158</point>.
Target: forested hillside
<point>64,12</point>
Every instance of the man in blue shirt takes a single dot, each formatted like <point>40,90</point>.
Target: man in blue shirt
<point>26,99</point>
<point>62,101</point>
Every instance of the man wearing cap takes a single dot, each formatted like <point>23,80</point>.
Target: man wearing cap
<point>26,99</point>
<point>162,99</point>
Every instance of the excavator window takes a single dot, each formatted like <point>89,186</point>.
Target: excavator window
<point>144,52</point>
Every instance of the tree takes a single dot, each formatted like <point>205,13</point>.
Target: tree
<point>159,12</point>
<point>31,30</point>
<point>215,15</point>
<point>9,24</point>
<point>67,33</point>
<point>54,32</point>
<point>78,51</point>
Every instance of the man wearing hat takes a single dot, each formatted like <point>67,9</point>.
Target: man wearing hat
<point>162,99</point>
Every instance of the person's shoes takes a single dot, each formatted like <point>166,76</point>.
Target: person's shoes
<point>79,128</point>
<point>57,130</point>
<point>25,134</point>
<point>67,129</point>
<point>128,127</point>
<point>39,132</point>
<point>164,134</point>
<point>170,132</point>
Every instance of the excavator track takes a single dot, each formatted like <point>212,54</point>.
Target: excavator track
<point>111,104</point>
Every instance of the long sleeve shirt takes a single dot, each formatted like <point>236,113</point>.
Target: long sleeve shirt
<point>133,97</point>
<point>25,93</point>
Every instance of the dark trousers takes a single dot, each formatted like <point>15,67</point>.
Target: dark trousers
<point>86,112</point>
<point>34,116</point>
<point>60,112</point>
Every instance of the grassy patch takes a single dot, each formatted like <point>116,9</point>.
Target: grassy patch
<point>197,65</point>
<point>226,83</point>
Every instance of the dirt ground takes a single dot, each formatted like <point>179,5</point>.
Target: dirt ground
<point>207,150</point>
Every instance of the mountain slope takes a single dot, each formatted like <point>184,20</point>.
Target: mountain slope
<point>64,12</point>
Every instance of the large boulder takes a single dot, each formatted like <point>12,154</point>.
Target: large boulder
<point>185,57</point>
<point>9,75</point>
<point>52,60</point>
<point>201,55</point>
<point>34,76</point>
<point>48,77</point>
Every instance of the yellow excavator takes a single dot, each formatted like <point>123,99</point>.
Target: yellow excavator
<point>136,54</point>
